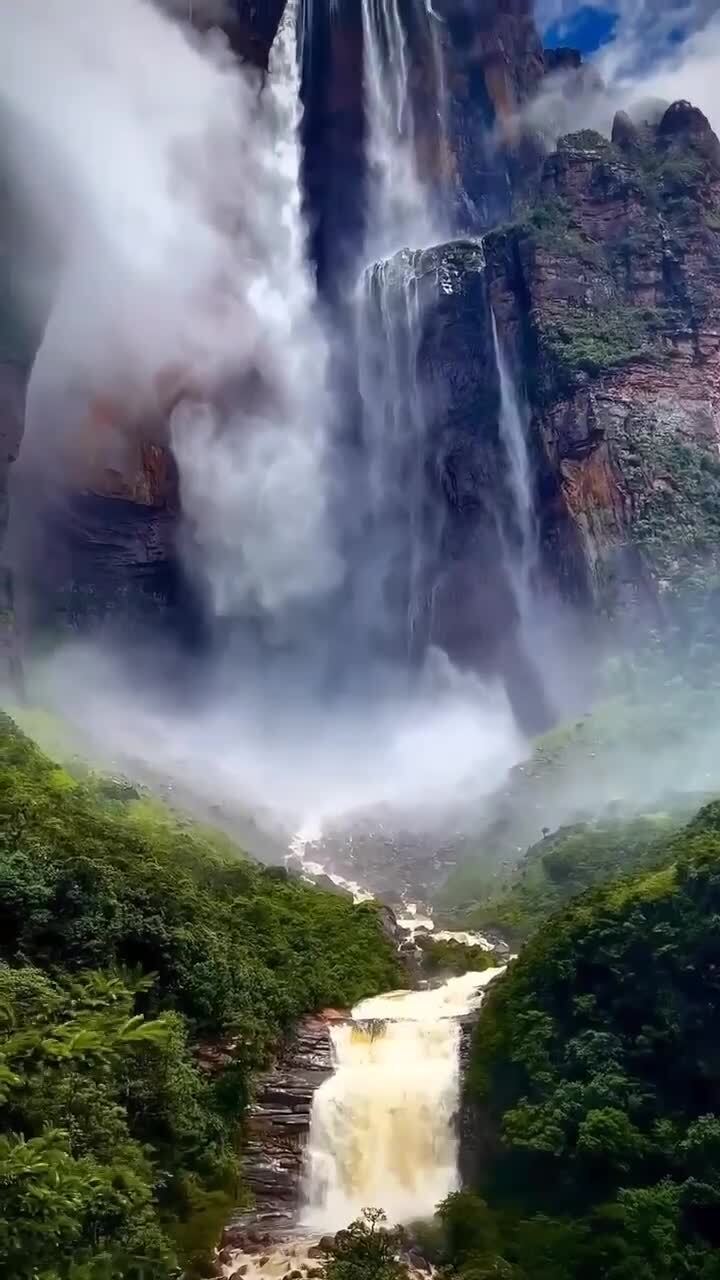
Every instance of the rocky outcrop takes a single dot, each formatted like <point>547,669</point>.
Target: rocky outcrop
<point>477,1141</point>
<point>277,1128</point>
<point>609,292</point>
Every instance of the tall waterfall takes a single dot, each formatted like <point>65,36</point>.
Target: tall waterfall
<point>400,205</point>
<point>393,582</point>
<point>392,586</point>
<point>383,1128</point>
<point>513,434</point>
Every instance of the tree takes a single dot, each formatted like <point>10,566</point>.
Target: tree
<point>366,1250</point>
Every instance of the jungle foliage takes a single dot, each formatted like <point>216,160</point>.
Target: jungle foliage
<point>595,1075</point>
<point>147,969</point>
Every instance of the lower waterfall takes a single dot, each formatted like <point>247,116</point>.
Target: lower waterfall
<point>383,1129</point>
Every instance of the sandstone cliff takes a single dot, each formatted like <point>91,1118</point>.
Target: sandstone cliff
<point>609,289</point>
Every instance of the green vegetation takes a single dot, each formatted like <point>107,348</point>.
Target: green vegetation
<point>447,958</point>
<point>592,339</point>
<point>129,942</point>
<point>595,1071</point>
<point>599,796</point>
<point>366,1250</point>
<point>566,863</point>
<point>675,507</point>
<point>589,140</point>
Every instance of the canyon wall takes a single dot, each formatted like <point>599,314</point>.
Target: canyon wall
<point>609,291</point>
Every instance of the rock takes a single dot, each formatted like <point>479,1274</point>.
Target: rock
<point>493,63</point>
<point>388,923</point>
<point>685,124</point>
<point>474,616</point>
<point>613,307</point>
<point>277,1127</point>
<point>417,1260</point>
<point>625,133</point>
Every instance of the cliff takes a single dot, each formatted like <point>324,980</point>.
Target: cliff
<point>609,290</point>
<point>277,1126</point>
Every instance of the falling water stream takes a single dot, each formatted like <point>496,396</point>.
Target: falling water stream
<point>513,434</point>
<point>383,1128</point>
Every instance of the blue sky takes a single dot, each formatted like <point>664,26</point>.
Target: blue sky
<point>666,49</point>
<point>656,25</point>
<point>586,29</point>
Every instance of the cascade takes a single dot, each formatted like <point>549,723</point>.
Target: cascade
<point>391,571</point>
<point>383,1126</point>
<point>393,581</point>
<point>522,557</point>
<point>513,424</point>
<point>513,434</point>
<point>400,203</point>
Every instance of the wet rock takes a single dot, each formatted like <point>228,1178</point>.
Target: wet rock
<point>277,1127</point>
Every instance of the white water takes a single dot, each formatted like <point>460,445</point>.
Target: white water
<point>389,332</point>
<point>383,1127</point>
<point>513,425</point>
<point>181,280</point>
<point>406,157</point>
<point>254,479</point>
<point>399,212</point>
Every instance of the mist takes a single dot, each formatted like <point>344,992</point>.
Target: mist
<point>175,290</point>
<point>642,68</point>
<point>175,225</point>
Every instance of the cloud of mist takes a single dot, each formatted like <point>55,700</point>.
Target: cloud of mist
<point>259,747</point>
<point>658,54</point>
<point>166,180</point>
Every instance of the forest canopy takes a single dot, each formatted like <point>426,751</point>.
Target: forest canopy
<point>130,938</point>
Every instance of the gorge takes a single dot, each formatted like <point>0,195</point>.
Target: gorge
<point>359,529</point>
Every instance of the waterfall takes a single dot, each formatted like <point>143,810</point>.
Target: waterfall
<point>513,424</point>
<point>391,586</point>
<point>254,468</point>
<point>383,1129</point>
<point>400,203</point>
<point>407,150</point>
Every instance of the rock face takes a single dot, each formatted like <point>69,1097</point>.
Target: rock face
<point>610,294</point>
<point>474,608</point>
<point>277,1128</point>
<point>494,64</point>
